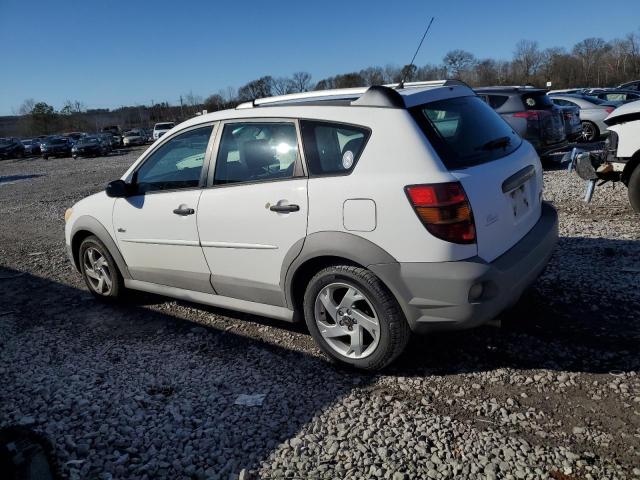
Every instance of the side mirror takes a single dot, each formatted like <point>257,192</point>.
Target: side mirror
<point>118,189</point>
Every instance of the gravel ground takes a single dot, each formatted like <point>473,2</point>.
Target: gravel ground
<point>148,389</point>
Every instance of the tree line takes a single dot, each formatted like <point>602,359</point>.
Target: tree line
<point>593,62</point>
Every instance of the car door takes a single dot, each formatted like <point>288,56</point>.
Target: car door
<point>253,216</point>
<point>156,227</point>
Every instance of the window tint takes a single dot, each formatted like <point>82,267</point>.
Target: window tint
<point>496,101</point>
<point>465,131</point>
<point>251,152</point>
<point>563,103</point>
<point>176,164</point>
<point>332,148</point>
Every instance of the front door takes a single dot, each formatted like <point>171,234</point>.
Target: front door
<point>156,228</point>
<point>255,213</point>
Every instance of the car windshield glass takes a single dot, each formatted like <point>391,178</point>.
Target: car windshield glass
<point>58,141</point>
<point>4,141</point>
<point>26,142</point>
<point>164,126</point>
<point>88,140</point>
<point>465,131</point>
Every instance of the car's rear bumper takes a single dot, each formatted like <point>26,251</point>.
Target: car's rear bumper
<point>435,296</point>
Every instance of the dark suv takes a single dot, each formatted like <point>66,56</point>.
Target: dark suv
<point>11,148</point>
<point>531,113</point>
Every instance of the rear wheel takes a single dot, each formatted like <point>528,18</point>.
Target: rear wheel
<point>634,189</point>
<point>354,318</point>
<point>99,270</point>
<point>590,132</point>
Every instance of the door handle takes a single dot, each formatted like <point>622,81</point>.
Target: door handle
<point>184,211</point>
<point>285,208</point>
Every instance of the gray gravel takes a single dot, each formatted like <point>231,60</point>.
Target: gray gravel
<point>152,388</point>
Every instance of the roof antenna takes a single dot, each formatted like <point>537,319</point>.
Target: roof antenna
<point>401,84</point>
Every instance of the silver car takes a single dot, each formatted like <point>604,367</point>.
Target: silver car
<point>593,111</point>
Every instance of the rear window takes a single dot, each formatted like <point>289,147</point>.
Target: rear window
<point>496,101</point>
<point>164,126</point>
<point>465,131</point>
<point>332,148</point>
<point>536,101</point>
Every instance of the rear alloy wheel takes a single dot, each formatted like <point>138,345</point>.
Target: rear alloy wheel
<point>354,318</point>
<point>590,132</point>
<point>99,270</point>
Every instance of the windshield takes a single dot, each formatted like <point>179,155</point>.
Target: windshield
<point>465,131</point>
<point>87,140</point>
<point>57,141</point>
<point>4,141</point>
<point>164,126</point>
<point>27,142</point>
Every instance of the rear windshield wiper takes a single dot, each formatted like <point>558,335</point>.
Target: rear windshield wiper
<point>501,142</point>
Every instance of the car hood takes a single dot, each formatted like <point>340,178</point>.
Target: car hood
<point>624,113</point>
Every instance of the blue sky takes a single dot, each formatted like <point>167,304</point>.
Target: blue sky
<point>108,53</point>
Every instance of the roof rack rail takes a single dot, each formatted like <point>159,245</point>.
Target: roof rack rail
<point>349,94</point>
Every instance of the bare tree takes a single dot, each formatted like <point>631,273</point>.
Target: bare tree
<point>282,86</point>
<point>527,60</point>
<point>301,81</point>
<point>458,61</point>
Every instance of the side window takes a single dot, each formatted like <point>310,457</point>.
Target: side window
<point>332,148</point>
<point>252,152</point>
<point>176,164</point>
<point>496,101</point>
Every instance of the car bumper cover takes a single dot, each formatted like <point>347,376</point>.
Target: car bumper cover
<point>436,296</point>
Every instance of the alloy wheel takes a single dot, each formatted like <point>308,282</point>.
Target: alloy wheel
<point>347,320</point>
<point>98,272</point>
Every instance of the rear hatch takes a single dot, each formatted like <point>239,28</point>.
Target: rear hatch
<point>544,118</point>
<point>501,175</point>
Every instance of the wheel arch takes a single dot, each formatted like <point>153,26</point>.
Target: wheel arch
<point>86,226</point>
<point>630,167</point>
<point>322,249</point>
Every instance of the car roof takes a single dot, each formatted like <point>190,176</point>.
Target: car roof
<point>510,89</point>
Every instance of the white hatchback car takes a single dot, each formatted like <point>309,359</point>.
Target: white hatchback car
<point>159,129</point>
<point>370,213</point>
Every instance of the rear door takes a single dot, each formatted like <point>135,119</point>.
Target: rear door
<point>254,214</point>
<point>501,175</point>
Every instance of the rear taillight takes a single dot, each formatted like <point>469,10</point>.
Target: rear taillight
<point>609,109</point>
<point>529,115</point>
<point>444,210</point>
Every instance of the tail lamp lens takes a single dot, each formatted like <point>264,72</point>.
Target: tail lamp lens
<point>443,208</point>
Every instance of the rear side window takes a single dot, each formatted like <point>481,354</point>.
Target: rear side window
<point>496,101</point>
<point>332,148</point>
<point>465,131</point>
<point>536,101</point>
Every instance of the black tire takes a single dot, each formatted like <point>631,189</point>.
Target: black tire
<point>590,131</point>
<point>394,330</point>
<point>45,157</point>
<point>634,189</point>
<point>116,289</point>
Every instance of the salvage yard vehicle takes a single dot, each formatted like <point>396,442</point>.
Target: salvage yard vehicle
<point>160,129</point>
<point>56,147</point>
<point>134,137</point>
<point>90,146</point>
<point>531,114</point>
<point>593,111</point>
<point>116,133</point>
<point>370,213</point>
<point>619,161</point>
<point>11,148</point>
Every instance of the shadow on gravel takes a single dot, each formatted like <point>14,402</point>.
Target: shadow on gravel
<point>17,178</point>
<point>155,389</point>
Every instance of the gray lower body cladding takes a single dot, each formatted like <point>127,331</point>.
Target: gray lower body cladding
<point>436,296</point>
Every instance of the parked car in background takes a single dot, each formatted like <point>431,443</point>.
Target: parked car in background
<point>74,136</point>
<point>117,134</point>
<point>634,86</point>
<point>572,122</point>
<point>448,240</point>
<point>134,137</point>
<point>530,113</point>
<point>31,146</point>
<point>11,148</point>
<point>614,95</point>
<point>56,147</point>
<point>161,128</point>
<point>107,138</point>
<point>593,111</point>
<point>90,146</point>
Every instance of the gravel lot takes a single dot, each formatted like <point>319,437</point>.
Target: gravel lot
<point>148,389</point>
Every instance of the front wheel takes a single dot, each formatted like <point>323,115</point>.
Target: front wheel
<point>354,318</point>
<point>634,189</point>
<point>99,270</point>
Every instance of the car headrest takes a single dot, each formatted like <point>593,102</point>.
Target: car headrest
<point>256,154</point>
